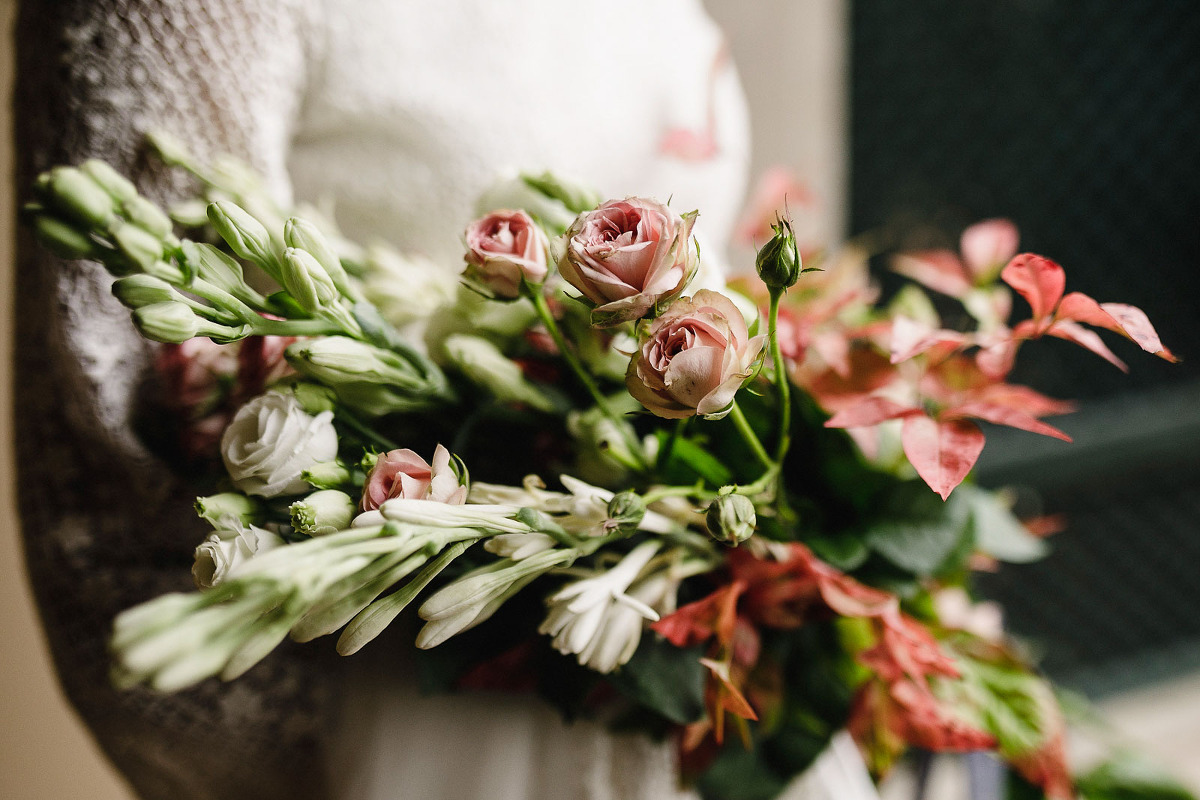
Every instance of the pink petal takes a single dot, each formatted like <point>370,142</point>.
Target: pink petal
<point>940,270</point>
<point>942,452</point>
<point>1039,280</point>
<point>988,244</point>
<point>871,411</point>
<point>1024,399</point>
<point>911,338</point>
<point>1074,332</point>
<point>1003,415</point>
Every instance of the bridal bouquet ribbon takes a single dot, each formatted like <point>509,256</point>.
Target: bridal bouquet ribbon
<point>734,515</point>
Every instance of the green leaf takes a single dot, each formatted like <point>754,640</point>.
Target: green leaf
<point>738,774</point>
<point>917,531</point>
<point>668,679</point>
<point>845,551</point>
<point>997,532</point>
<point>693,461</point>
<point>1130,777</point>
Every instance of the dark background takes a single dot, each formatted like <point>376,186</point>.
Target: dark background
<point>1080,121</point>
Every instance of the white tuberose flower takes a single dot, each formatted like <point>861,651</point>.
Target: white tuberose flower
<point>224,551</point>
<point>271,441</point>
<point>599,619</point>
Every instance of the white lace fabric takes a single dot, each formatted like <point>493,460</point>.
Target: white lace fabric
<point>397,114</point>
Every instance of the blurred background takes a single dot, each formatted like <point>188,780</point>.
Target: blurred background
<point>1079,120</point>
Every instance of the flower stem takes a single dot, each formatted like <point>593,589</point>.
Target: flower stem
<point>664,453</point>
<point>781,379</point>
<point>364,430</point>
<point>750,437</point>
<point>534,293</point>
<point>295,327</point>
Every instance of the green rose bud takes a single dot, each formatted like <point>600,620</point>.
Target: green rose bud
<point>365,377</point>
<point>245,235</point>
<point>484,364</point>
<point>77,196</point>
<point>62,239</point>
<point>219,510</point>
<point>625,511</point>
<point>778,262</point>
<point>147,216</point>
<point>139,245</point>
<point>108,179</point>
<point>731,519</point>
<point>326,474</point>
<point>304,235</point>
<point>136,291</point>
<point>324,512</point>
<point>306,280</point>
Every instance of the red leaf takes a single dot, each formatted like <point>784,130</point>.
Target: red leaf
<point>939,270</point>
<point>1134,323</point>
<point>870,411</point>
<point>1022,398</point>
<point>1039,280</point>
<point>714,615</point>
<point>729,696</point>
<point>942,452</point>
<point>1074,332</point>
<point>911,338</point>
<point>1003,415</point>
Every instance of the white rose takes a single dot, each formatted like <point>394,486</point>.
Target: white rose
<point>224,551</point>
<point>271,441</point>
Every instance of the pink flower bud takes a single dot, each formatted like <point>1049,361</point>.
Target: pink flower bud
<point>403,473</point>
<point>696,357</point>
<point>628,255</point>
<point>502,248</point>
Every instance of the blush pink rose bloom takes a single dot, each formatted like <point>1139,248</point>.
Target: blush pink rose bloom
<point>694,359</point>
<point>627,256</point>
<point>403,473</point>
<point>503,247</point>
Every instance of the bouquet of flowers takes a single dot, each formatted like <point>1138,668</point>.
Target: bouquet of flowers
<point>733,515</point>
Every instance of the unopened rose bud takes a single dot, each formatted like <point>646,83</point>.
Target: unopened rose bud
<point>139,245</point>
<point>245,235</point>
<point>171,321</point>
<point>306,280</point>
<point>778,262</point>
<point>62,239</point>
<point>731,519</point>
<point>326,474</point>
<point>304,235</point>
<point>625,511</point>
<point>323,512</point>
<point>111,181</point>
<point>136,291</point>
<point>227,508</point>
<point>147,216</point>
<point>486,366</point>
<point>77,196</point>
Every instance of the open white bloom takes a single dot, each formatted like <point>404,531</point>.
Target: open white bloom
<point>224,551</point>
<point>271,441</point>
<point>600,619</point>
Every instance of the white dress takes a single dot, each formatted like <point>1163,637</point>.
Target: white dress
<point>397,114</point>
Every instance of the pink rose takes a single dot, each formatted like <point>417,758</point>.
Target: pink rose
<point>628,255</point>
<point>696,357</point>
<point>403,473</point>
<point>503,247</point>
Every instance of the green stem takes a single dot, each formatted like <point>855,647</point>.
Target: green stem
<point>659,492</point>
<point>294,327</point>
<point>224,301</point>
<point>534,293</point>
<point>363,430</point>
<point>750,437</point>
<point>664,453</point>
<point>781,380</point>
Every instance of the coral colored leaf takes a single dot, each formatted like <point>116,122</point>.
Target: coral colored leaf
<point>729,697</point>
<point>1022,398</point>
<point>942,452</point>
<point>1078,307</point>
<point>1003,415</point>
<point>1074,332</point>
<point>694,623</point>
<point>911,338</point>
<point>868,412</point>
<point>986,246</point>
<point>1039,280</point>
<point>939,270</point>
<point>1136,325</point>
